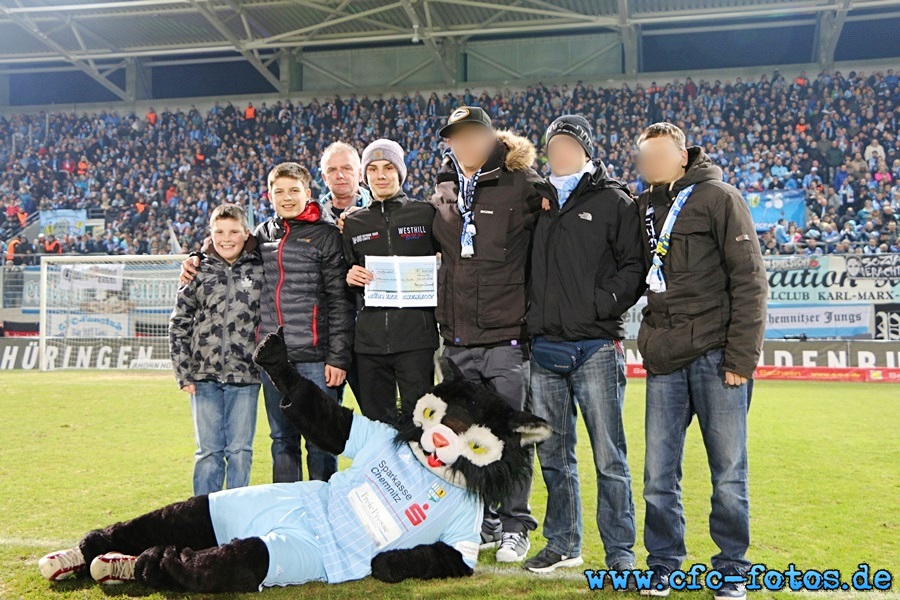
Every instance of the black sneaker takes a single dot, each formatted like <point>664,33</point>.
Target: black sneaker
<point>624,568</point>
<point>547,561</point>
<point>659,581</point>
<point>734,584</point>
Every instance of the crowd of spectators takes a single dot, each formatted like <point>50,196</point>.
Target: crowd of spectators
<point>153,178</point>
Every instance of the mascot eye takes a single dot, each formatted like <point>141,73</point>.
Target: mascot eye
<point>429,409</point>
<point>481,447</point>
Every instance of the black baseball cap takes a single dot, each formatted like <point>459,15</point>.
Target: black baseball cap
<point>465,114</point>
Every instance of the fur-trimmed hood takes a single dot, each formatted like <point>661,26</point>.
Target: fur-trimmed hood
<point>520,152</point>
<point>513,153</point>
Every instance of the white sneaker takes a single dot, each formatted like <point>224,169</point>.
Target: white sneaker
<point>63,564</point>
<point>113,568</point>
<point>513,547</point>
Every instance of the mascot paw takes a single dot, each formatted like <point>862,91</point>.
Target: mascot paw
<point>386,568</point>
<point>272,351</point>
<point>149,570</point>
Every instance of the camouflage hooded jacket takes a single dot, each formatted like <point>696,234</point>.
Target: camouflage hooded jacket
<point>212,331</point>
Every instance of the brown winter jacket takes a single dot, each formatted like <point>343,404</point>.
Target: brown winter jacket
<point>715,277</point>
<point>482,299</point>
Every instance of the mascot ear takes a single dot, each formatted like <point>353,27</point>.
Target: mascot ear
<point>532,429</point>
<point>448,371</point>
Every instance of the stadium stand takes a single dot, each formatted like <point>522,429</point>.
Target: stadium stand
<point>833,136</point>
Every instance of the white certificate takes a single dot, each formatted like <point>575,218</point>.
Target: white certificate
<point>402,281</point>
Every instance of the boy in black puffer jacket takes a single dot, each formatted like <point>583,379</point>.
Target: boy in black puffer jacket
<point>306,293</point>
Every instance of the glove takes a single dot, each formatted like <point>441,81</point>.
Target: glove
<point>272,356</point>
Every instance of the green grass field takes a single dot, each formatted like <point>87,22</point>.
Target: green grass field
<point>79,450</point>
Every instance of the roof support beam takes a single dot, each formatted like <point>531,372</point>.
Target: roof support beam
<point>315,28</point>
<point>323,71</point>
<point>251,57</point>
<point>497,65</point>
<point>591,57</point>
<point>829,26</point>
<point>409,72</point>
<point>426,37</point>
<point>87,68</point>
<point>542,12</point>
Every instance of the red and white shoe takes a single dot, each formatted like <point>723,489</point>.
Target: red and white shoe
<point>113,568</point>
<point>63,564</point>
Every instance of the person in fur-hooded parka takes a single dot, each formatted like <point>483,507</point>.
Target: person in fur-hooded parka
<point>482,298</point>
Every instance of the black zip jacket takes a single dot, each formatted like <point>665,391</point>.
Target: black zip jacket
<point>394,227</point>
<point>587,261</point>
<point>306,289</point>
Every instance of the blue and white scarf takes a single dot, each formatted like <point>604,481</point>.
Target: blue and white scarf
<point>464,201</point>
<point>655,278</point>
<point>566,184</point>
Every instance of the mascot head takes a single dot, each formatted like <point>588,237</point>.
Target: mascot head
<point>470,437</point>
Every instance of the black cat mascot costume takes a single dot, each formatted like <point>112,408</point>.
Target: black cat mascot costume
<point>409,506</point>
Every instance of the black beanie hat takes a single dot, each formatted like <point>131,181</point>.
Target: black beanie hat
<point>574,126</point>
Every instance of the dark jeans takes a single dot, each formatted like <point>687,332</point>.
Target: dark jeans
<point>598,388</point>
<point>672,401</point>
<point>380,375</point>
<point>505,370</point>
<point>286,455</point>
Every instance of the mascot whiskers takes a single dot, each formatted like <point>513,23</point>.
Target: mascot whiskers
<point>410,506</point>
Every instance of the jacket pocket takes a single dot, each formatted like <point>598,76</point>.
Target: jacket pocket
<point>692,246</point>
<point>696,327</point>
<point>500,299</point>
<point>604,304</point>
<point>491,230</point>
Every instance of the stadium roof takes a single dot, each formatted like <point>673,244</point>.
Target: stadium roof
<point>97,37</point>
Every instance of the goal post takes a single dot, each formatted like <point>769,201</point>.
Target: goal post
<point>107,312</point>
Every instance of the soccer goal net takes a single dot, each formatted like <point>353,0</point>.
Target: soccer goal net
<point>106,312</point>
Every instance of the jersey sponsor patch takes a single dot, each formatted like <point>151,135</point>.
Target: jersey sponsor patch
<point>374,516</point>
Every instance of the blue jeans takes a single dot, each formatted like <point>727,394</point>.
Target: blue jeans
<point>598,387</point>
<point>287,466</point>
<point>224,424</point>
<point>672,400</point>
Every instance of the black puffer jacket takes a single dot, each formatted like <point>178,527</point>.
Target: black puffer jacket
<point>716,284</point>
<point>306,288</point>
<point>394,227</point>
<point>587,264</point>
<point>482,299</point>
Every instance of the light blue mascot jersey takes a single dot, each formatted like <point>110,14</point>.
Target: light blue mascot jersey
<point>386,500</point>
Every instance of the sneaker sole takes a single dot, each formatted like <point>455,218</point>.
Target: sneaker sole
<point>656,593</point>
<point>489,545</point>
<point>58,574</point>
<point>732,597</point>
<point>567,563</point>
<point>510,558</point>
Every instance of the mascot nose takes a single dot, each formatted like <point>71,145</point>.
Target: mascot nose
<point>439,440</point>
